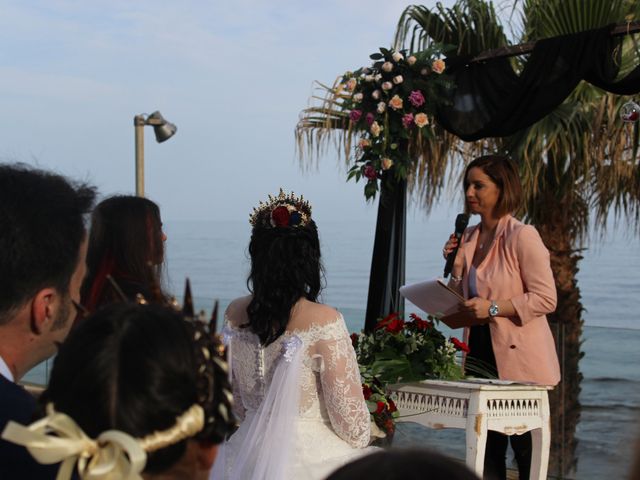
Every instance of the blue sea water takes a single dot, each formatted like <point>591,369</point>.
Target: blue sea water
<point>213,255</point>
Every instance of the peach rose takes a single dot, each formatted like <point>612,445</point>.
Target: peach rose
<point>438,65</point>
<point>421,120</point>
<point>387,163</point>
<point>375,129</point>
<point>395,102</point>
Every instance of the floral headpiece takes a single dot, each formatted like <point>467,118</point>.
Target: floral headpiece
<point>281,211</point>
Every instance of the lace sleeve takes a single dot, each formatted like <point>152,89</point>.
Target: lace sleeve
<point>228,335</point>
<point>342,390</point>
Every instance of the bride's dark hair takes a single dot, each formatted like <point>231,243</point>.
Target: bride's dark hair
<point>285,266</point>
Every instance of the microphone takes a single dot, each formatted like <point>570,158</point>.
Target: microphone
<point>462,220</point>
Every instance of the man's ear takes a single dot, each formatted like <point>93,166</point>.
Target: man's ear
<point>206,454</point>
<point>43,309</point>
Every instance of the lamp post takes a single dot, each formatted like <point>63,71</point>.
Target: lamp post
<point>164,130</point>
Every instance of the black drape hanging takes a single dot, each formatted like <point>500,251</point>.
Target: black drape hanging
<point>492,100</point>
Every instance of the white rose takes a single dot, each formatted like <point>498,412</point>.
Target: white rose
<point>368,78</point>
<point>381,107</point>
<point>377,77</point>
<point>387,66</point>
<point>375,94</point>
<point>357,97</point>
<point>411,60</point>
<point>397,56</point>
<point>398,79</point>
<point>387,86</point>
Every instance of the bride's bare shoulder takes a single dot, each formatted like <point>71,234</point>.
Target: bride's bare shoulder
<point>307,313</point>
<point>236,313</point>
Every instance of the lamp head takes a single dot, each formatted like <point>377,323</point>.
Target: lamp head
<point>164,130</point>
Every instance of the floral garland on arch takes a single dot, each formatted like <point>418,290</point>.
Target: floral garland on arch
<point>388,107</point>
<point>399,351</point>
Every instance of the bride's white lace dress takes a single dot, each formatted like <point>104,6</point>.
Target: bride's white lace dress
<point>299,402</point>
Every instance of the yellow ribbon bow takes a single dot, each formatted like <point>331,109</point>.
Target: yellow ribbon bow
<point>113,455</point>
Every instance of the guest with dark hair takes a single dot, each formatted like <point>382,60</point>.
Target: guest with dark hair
<point>127,243</point>
<point>136,389</point>
<point>42,264</point>
<point>296,382</point>
<point>410,464</point>
<point>503,270</point>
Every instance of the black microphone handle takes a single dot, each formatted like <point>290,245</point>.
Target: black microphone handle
<point>451,257</point>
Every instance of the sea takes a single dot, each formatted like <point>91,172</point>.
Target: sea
<point>213,255</point>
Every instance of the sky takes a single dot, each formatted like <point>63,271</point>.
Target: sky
<point>233,76</point>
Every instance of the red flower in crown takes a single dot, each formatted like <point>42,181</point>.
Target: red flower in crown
<point>392,406</point>
<point>280,216</point>
<point>366,391</point>
<point>380,407</point>
<point>460,345</point>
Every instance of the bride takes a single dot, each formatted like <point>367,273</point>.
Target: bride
<point>295,378</point>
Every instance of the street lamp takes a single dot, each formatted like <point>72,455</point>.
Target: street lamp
<point>164,130</point>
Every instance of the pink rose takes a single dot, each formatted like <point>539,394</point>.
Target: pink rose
<point>387,66</point>
<point>416,98</point>
<point>355,115</point>
<point>407,120</point>
<point>387,86</point>
<point>370,117</point>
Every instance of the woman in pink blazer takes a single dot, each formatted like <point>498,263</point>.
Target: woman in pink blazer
<point>502,268</point>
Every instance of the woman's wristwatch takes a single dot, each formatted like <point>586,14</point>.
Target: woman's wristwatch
<point>493,309</point>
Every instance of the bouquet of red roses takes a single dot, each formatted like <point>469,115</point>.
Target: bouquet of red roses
<point>400,351</point>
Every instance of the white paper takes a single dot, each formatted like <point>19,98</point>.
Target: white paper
<point>432,296</point>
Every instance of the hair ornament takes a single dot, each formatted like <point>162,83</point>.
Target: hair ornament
<point>114,454</point>
<point>285,210</point>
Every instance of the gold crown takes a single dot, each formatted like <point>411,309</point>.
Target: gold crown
<point>282,211</point>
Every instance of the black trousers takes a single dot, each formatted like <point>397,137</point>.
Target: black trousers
<point>482,362</point>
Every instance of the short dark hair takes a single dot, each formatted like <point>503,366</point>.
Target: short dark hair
<point>285,267</point>
<point>504,173</point>
<point>41,230</point>
<point>404,464</point>
<point>126,243</point>
<point>136,368</point>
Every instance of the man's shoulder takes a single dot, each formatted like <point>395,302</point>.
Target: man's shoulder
<point>15,403</point>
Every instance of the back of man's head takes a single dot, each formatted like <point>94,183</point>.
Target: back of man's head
<point>41,231</point>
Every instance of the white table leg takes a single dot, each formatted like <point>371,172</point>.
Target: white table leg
<point>476,438</point>
<point>540,443</point>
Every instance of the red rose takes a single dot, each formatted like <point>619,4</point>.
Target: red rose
<point>386,320</point>
<point>420,323</point>
<point>280,216</point>
<point>392,406</point>
<point>381,407</point>
<point>366,391</point>
<point>460,345</point>
<point>395,326</point>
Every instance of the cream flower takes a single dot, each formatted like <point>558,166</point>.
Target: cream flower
<point>398,79</point>
<point>387,163</point>
<point>387,86</point>
<point>397,56</point>
<point>387,66</point>
<point>411,60</point>
<point>381,107</point>
<point>351,84</point>
<point>368,78</point>
<point>375,129</point>
<point>395,102</point>
<point>375,94</point>
<point>358,97</point>
<point>421,120</point>
<point>438,65</point>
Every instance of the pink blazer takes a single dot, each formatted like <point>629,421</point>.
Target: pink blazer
<point>517,268</point>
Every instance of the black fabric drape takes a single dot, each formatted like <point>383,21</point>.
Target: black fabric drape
<point>492,100</point>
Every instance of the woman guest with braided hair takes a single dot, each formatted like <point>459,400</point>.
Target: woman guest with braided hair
<point>295,376</point>
<point>136,392</point>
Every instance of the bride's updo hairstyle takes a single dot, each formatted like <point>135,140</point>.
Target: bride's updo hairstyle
<point>144,371</point>
<point>285,263</point>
